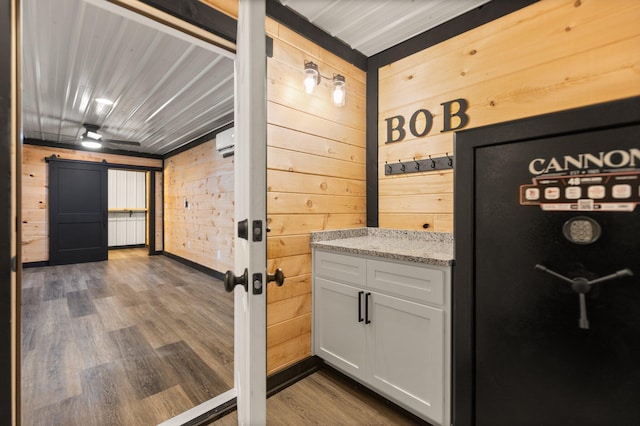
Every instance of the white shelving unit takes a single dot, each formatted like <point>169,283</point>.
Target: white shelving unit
<point>127,208</point>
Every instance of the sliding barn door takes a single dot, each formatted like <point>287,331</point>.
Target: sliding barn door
<point>77,212</point>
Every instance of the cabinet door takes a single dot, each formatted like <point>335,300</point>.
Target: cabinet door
<point>339,336</point>
<point>405,349</point>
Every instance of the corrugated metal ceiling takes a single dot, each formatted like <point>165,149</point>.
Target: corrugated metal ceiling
<point>372,26</point>
<point>168,88</point>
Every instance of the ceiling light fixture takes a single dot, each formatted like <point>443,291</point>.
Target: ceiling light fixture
<point>91,144</point>
<point>312,78</point>
<point>93,135</point>
<point>104,101</point>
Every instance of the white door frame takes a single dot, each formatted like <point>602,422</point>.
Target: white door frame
<point>250,198</point>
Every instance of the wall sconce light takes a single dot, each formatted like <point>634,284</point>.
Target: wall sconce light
<point>312,78</point>
<point>339,93</point>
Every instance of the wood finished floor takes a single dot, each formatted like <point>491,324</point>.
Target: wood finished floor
<point>138,339</point>
<point>325,398</point>
<point>134,340</point>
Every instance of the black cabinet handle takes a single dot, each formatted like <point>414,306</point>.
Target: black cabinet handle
<point>366,308</point>
<point>360,293</point>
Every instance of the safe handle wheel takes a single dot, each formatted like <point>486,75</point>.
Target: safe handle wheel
<point>582,285</point>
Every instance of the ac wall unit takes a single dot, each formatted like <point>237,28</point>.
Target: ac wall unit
<point>225,142</point>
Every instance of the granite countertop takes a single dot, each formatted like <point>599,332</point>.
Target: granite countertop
<point>434,248</point>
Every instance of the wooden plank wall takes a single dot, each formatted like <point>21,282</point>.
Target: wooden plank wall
<point>35,195</point>
<point>229,7</point>
<point>550,56</point>
<point>203,232</point>
<point>315,180</point>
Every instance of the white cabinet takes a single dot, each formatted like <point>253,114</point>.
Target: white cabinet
<point>387,325</point>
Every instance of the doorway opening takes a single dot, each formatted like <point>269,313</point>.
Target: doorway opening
<point>128,209</point>
<point>137,339</point>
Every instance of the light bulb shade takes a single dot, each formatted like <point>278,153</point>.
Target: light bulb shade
<point>338,94</point>
<point>91,144</point>
<point>311,76</point>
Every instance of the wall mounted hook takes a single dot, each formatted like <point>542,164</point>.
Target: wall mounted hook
<point>419,166</point>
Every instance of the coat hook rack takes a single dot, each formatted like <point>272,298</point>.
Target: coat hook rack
<point>424,165</point>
